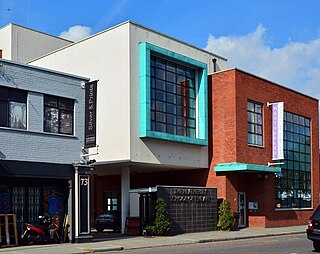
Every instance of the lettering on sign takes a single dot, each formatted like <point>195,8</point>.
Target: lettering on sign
<point>190,195</point>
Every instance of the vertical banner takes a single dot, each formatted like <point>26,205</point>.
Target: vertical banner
<point>90,114</point>
<point>277,131</point>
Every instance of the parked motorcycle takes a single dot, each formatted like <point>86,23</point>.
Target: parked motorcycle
<point>46,231</point>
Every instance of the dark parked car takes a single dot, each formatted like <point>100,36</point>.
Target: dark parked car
<point>313,231</point>
<point>108,220</point>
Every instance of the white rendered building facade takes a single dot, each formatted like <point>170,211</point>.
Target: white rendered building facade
<point>152,112</point>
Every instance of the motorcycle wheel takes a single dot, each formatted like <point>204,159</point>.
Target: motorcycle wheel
<point>56,239</point>
<point>28,238</point>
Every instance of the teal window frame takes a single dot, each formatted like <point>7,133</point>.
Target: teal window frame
<point>145,101</point>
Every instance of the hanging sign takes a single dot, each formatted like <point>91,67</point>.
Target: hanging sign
<point>277,131</point>
<point>90,114</point>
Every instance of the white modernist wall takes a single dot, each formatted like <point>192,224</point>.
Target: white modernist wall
<point>105,57</point>
<point>22,44</point>
<point>5,42</point>
<point>156,151</point>
<point>112,57</point>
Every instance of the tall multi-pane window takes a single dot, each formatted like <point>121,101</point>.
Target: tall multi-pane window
<point>293,189</point>
<point>255,123</point>
<point>58,115</point>
<point>173,101</point>
<point>13,108</point>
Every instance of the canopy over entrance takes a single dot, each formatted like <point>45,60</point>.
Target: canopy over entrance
<point>246,168</point>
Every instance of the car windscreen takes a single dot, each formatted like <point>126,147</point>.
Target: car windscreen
<point>105,216</point>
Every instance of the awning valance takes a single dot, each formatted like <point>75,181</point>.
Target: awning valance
<point>245,167</point>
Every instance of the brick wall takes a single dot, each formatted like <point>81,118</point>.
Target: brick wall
<point>230,91</point>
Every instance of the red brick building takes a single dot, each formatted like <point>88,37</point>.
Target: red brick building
<point>240,124</point>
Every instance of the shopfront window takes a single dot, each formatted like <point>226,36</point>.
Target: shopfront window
<point>58,115</point>
<point>28,202</point>
<point>293,189</point>
<point>13,108</point>
<point>255,123</point>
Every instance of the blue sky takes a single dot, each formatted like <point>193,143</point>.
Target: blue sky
<point>275,39</point>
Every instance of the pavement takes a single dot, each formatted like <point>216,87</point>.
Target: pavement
<point>138,242</point>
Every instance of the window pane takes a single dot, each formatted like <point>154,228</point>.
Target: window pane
<point>190,73</point>
<point>17,95</point>
<point>160,85</point>
<point>160,106</point>
<point>160,74</point>
<point>171,129</point>
<point>171,119</point>
<point>3,113</point>
<point>171,66</point>
<point>65,104</point>
<point>181,70</point>
<point>171,98</point>
<point>171,77</point>
<point>180,79</point>
<point>258,108</point>
<point>51,101</point>
<point>17,115</point>
<point>161,96</point>
<point>250,106</point>
<point>171,109</point>
<point>4,93</point>
<point>250,117</point>
<point>181,131</point>
<point>160,63</point>
<point>160,127</point>
<point>160,117</point>
<point>51,121</point>
<point>66,122</point>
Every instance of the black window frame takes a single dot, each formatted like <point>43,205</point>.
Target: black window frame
<point>255,129</point>
<point>293,188</point>
<point>62,108</point>
<point>7,95</point>
<point>173,97</point>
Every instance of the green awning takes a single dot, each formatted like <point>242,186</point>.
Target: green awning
<point>244,167</point>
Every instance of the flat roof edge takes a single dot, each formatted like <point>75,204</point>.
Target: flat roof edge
<point>136,24</point>
<point>44,69</point>
<point>37,31</point>
<point>265,79</point>
<point>177,40</point>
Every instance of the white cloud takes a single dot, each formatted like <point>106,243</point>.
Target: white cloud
<point>76,33</point>
<point>295,65</point>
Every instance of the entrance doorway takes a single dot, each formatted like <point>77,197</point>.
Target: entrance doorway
<point>242,209</point>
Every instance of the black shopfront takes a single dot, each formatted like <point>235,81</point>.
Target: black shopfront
<point>30,189</point>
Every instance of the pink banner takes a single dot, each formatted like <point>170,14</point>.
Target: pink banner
<point>277,131</point>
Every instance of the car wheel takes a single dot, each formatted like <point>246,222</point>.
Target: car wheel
<point>117,228</point>
<point>316,246</point>
<point>100,230</point>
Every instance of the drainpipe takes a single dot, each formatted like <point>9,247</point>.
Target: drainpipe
<point>214,61</point>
